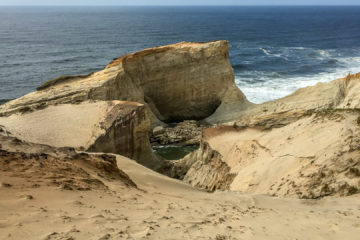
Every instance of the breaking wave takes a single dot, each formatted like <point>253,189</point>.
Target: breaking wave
<point>261,86</point>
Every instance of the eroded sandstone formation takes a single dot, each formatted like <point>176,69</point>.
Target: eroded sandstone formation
<point>177,82</point>
<point>209,171</point>
<point>315,156</point>
<point>103,126</point>
<point>305,145</point>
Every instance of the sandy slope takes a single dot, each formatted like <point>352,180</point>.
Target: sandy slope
<point>286,161</point>
<point>164,208</point>
<point>311,157</point>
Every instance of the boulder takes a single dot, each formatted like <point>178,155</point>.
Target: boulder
<point>158,130</point>
<point>184,133</point>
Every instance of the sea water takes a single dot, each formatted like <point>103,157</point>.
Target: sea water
<point>273,50</point>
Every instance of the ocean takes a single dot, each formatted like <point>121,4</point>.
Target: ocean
<point>273,50</point>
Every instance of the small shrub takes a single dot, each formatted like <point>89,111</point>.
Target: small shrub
<point>352,190</point>
<point>325,189</point>
<point>326,111</point>
<point>322,174</point>
<point>355,171</point>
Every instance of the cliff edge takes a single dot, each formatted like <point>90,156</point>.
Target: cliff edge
<point>183,81</point>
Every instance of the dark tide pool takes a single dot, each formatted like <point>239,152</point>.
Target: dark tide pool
<point>174,152</point>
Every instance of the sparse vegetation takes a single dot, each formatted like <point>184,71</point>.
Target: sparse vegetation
<point>326,111</point>
<point>325,189</point>
<point>330,110</point>
<point>352,190</point>
<point>355,171</point>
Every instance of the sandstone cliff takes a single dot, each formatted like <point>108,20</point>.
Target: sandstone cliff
<point>177,82</point>
<point>110,127</point>
<point>277,147</point>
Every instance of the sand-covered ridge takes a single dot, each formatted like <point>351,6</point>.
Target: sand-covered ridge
<point>156,208</point>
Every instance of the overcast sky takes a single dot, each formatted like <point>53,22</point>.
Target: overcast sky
<point>179,2</point>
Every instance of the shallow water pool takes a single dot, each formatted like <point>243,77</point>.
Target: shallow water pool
<point>174,152</point>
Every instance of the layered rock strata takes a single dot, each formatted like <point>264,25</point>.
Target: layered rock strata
<point>210,171</point>
<point>303,145</point>
<point>312,157</point>
<point>110,127</point>
<point>176,82</point>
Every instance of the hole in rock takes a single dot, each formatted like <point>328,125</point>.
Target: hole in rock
<point>176,112</point>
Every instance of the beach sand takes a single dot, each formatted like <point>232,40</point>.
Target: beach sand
<point>164,208</point>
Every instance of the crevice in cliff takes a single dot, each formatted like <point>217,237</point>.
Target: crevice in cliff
<point>200,113</point>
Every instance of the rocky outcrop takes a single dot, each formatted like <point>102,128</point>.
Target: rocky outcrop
<point>111,127</point>
<point>176,82</point>
<point>209,171</point>
<point>127,126</point>
<point>184,133</point>
<point>303,145</point>
<point>314,156</point>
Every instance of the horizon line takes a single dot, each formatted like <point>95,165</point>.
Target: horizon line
<point>210,5</point>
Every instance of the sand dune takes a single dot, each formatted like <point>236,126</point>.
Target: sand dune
<point>159,208</point>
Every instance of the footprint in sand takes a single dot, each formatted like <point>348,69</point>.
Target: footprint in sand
<point>3,223</point>
<point>138,231</point>
<point>26,197</point>
<point>66,219</point>
<point>105,237</point>
<point>78,203</point>
<point>59,236</point>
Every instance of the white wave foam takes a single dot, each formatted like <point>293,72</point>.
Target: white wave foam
<point>273,54</point>
<point>298,48</point>
<point>289,52</point>
<point>324,53</point>
<point>271,87</point>
<point>266,52</point>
